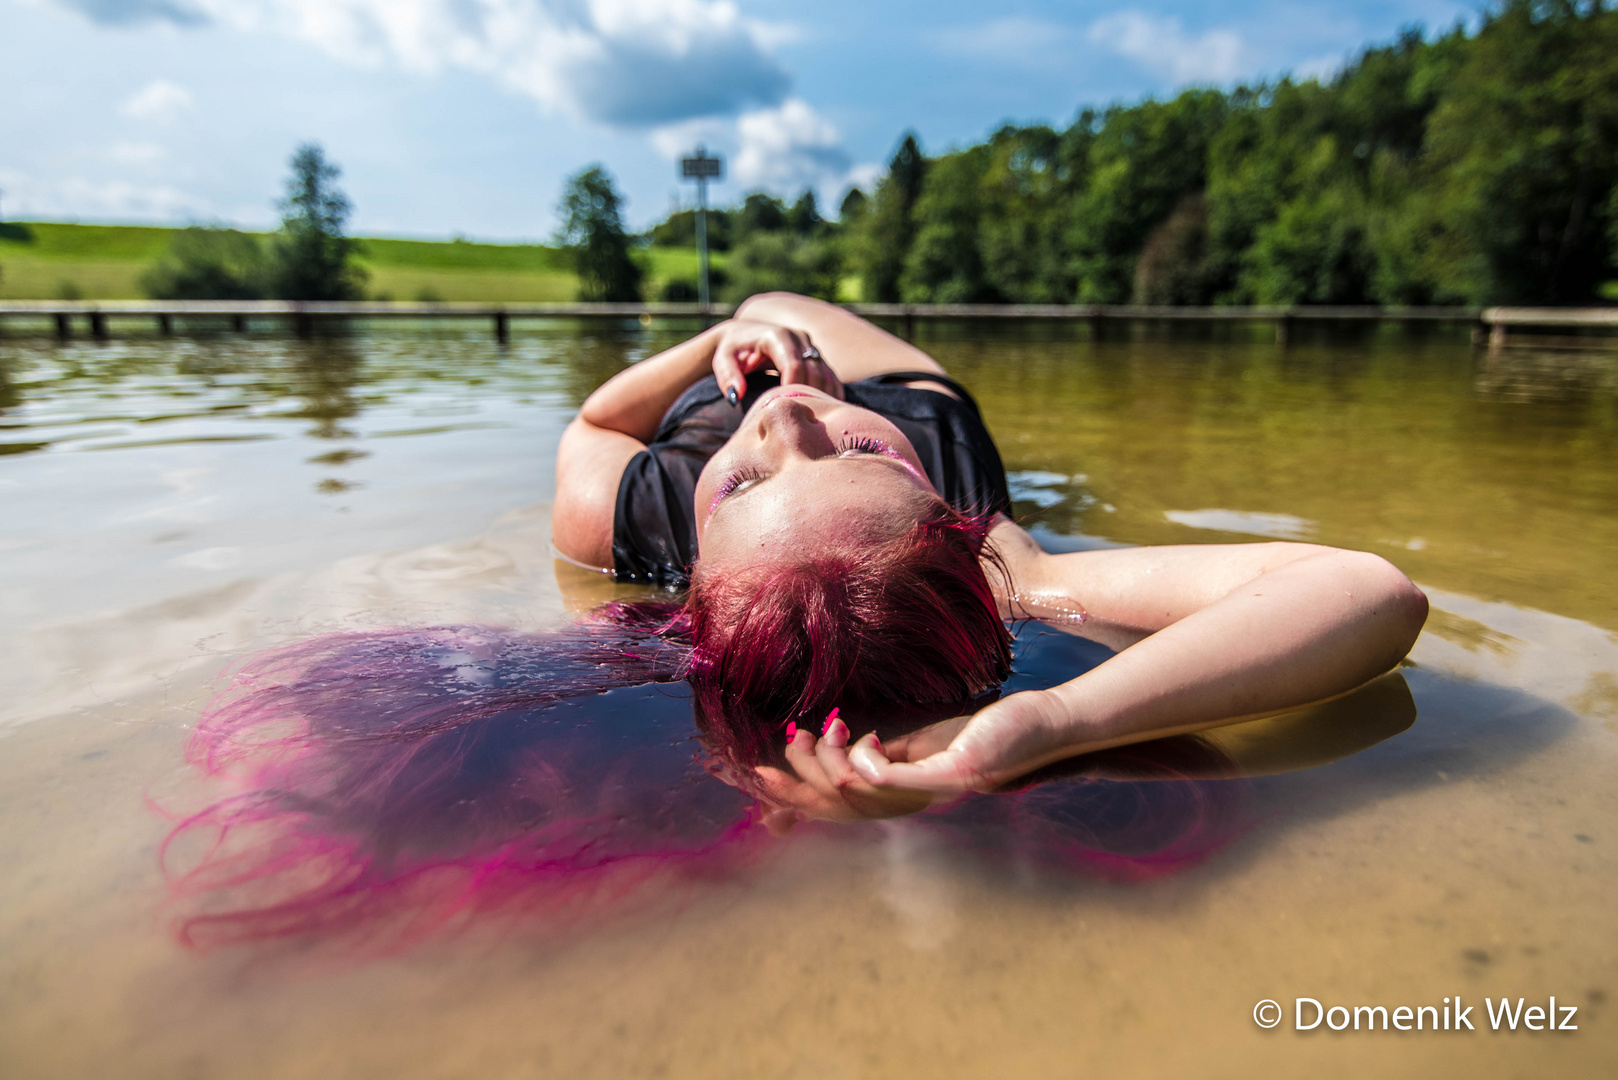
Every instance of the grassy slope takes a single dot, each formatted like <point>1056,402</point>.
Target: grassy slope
<point>44,260</point>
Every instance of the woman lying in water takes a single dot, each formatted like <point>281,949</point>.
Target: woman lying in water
<point>839,512</point>
<point>843,531</point>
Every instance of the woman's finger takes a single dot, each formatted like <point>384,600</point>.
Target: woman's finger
<point>801,756</point>
<point>947,771</point>
<point>728,371</point>
<point>787,355</point>
<point>859,796</point>
<point>832,754</point>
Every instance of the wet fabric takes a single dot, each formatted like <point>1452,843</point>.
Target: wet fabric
<point>654,528</point>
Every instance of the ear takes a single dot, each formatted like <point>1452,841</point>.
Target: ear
<point>725,772</point>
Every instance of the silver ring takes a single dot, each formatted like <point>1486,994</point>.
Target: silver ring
<point>809,352</point>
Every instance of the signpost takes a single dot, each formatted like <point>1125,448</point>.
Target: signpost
<point>701,168</point>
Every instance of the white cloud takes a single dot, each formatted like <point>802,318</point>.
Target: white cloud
<point>781,150</point>
<point>158,102</point>
<point>788,148</point>
<point>680,139</point>
<point>631,63</point>
<point>79,196</point>
<point>1161,45</point>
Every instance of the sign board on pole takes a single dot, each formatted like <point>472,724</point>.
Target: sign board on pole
<point>701,167</point>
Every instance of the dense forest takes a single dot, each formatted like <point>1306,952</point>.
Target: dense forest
<point>1470,168</point>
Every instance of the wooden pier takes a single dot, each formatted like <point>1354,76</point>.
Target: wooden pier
<point>1490,325</point>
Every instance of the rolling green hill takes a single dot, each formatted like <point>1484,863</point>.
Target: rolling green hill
<point>50,260</point>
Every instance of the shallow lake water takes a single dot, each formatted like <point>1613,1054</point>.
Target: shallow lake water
<point>171,507</point>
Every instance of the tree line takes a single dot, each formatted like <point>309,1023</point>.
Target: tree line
<point>1466,168</point>
<point>1469,168</point>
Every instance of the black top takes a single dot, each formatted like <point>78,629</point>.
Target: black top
<point>654,528</point>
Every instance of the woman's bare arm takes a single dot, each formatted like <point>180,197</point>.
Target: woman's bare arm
<point>854,348</point>
<point>1223,634</point>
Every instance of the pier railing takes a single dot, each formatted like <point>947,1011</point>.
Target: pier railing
<point>1490,324</point>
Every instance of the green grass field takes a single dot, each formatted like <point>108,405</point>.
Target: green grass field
<point>48,261</point>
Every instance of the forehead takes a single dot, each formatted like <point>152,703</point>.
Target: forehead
<point>822,503</point>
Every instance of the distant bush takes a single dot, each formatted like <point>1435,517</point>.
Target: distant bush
<point>768,261</point>
<point>205,263</point>
<point>685,291</point>
<point>679,229</point>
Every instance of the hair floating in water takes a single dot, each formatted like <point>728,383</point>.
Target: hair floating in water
<point>381,787</point>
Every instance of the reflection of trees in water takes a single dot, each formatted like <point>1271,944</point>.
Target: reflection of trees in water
<point>598,354</point>
<point>10,396</point>
<point>324,374</point>
<point>1543,375</point>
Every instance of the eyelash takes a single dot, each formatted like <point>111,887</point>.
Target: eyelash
<point>865,445</point>
<point>747,474</point>
<point>734,480</point>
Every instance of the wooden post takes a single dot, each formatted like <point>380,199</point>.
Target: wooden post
<point>1283,330</point>
<point>1497,337</point>
<point>303,325</point>
<point>502,328</point>
<point>238,323</point>
<point>165,325</point>
<point>64,325</point>
<point>1095,326</point>
<point>98,326</point>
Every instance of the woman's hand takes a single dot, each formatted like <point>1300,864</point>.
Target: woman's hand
<point>746,346</point>
<point>1011,737</point>
<point>823,786</point>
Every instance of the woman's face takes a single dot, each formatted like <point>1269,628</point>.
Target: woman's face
<point>803,472</point>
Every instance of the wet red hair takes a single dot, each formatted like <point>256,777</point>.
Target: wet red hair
<point>908,622</point>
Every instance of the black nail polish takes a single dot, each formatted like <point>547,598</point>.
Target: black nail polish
<point>730,395</point>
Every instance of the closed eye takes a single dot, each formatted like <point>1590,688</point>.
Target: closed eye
<point>748,476</point>
<point>864,444</point>
<point>736,481</point>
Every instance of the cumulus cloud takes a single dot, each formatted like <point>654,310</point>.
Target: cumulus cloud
<point>782,149</point>
<point>789,147</point>
<point>1161,45</point>
<point>158,102</point>
<point>627,63</point>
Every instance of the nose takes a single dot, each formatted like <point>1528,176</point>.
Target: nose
<point>790,423</point>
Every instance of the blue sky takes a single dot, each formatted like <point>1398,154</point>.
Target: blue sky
<point>466,116</point>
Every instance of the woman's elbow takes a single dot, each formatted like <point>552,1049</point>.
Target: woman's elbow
<point>1392,596</point>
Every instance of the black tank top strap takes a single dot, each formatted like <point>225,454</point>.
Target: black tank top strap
<point>654,535</point>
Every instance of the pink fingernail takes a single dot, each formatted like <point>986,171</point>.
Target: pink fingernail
<point>792,732</point>
<point>831,717</point>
